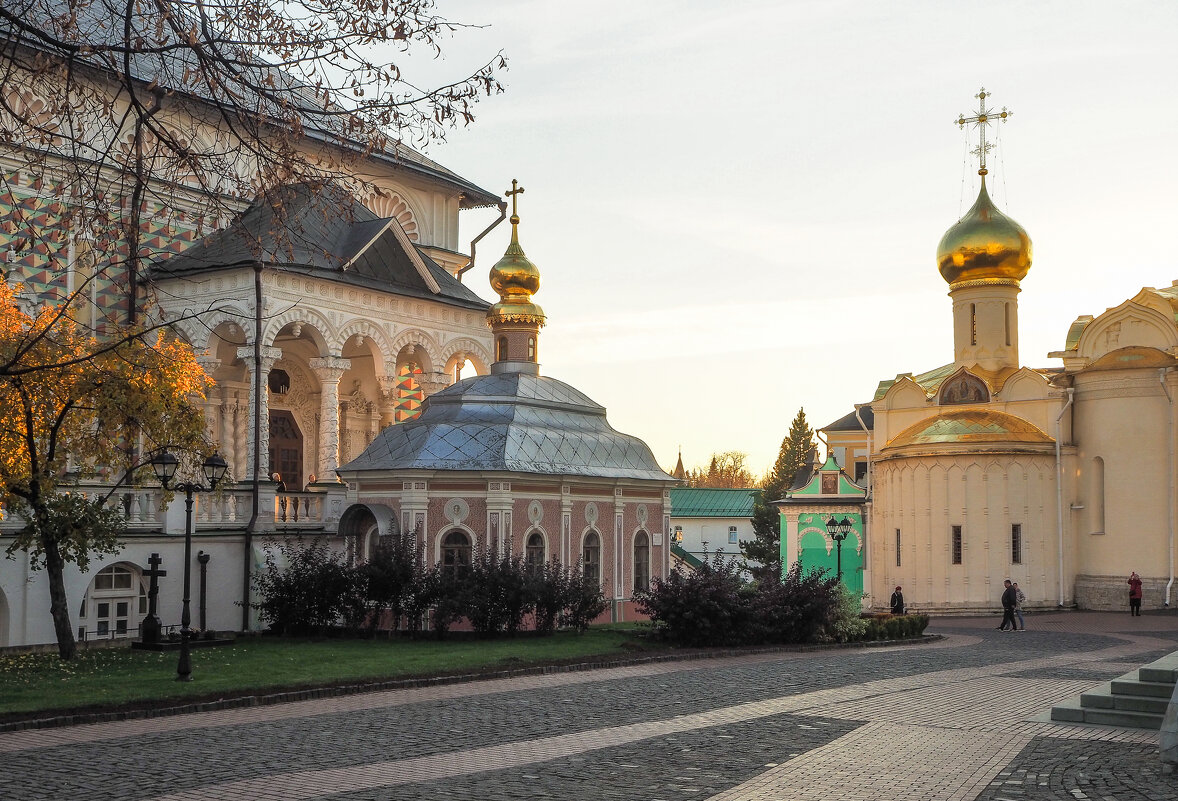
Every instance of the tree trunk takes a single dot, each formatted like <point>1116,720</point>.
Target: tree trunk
<point>59,605</point>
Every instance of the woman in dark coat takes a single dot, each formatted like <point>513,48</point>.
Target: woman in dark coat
<point>898,602</point>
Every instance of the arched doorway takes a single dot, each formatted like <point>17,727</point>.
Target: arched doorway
<point>115,602</point>
<point>286,449</point>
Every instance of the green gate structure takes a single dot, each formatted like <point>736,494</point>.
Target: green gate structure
<point>818,495</point>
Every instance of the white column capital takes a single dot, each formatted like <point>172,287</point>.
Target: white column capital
<point>329,368</point>
<point>269,356</point>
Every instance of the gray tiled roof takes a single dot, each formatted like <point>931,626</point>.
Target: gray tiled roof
<point>101,22</point>
<point>320,230</point>
<point>513,422</point>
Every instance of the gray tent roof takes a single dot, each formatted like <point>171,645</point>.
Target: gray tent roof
<point>513,422</point>
<point>320,230</point>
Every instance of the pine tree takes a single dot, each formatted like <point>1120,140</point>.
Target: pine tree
<point>765,547</point>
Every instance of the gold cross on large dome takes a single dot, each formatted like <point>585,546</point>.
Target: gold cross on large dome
<point>981,121</point>
<point>516,189</point>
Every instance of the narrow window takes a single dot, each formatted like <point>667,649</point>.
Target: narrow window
<point>641,562</point>
<point>455,552</point>
<point>531,349</point>
<point>1007,323</point>
<point>1016,543</point>
<point>591,558</point>
<point>534,552</point>
<point>957,545</point>
<point>897,547</point>
<point>732,536</point>
<point>501,349</point>
<point>678,534</point>
<point>973,324</point>
<point>1098,495</point>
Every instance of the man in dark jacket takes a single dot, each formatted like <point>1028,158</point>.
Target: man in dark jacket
<point>1009,600</point>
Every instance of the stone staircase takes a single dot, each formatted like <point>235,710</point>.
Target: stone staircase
<point>1136,700</point>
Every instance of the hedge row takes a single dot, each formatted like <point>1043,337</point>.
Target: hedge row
<point>312,589</point>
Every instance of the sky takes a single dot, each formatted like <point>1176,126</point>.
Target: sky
<point>735,208</point>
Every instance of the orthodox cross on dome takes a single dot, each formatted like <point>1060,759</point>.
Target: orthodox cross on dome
<point>981,121</point>
<point>516,189</point>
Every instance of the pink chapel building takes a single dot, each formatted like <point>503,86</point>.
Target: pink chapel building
<point>517,462</point>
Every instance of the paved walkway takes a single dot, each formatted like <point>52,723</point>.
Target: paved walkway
<point>959,719</point>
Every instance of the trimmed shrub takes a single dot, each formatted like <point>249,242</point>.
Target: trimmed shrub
<point>498,594</point>
<point>389,576</point>
<point>584,601</point>
<point>315,590</point>
<point>709,606</point>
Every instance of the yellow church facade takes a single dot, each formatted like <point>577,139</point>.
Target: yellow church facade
<point>1060,478</point>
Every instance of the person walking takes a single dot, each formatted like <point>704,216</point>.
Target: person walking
<point>1009,599</point>
<point>1135,594</point>
<point>897,601</point>
<point>1019,599</point>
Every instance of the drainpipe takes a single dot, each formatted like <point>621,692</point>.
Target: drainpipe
<point>255,479</point>
<point>868,550</point>
<point>487,230</point>
<point>1173,470</point>
<point>1059,484</point>
<point>862,425</point>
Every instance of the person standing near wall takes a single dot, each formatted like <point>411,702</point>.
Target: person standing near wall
<point>1019,599</point>
<point>897,601</point>
<point>1009,599</point>
<point>1135,594</point>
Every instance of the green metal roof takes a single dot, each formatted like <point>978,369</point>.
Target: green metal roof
<point>687,502</point>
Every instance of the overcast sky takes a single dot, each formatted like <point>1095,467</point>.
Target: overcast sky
<point>735,207</point>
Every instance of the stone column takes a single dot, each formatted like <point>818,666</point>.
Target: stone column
<point>387,402</point>
<point>211,405</point>
<point>269,356</point>
<point>329,370</point>
<point>459,361</point>
<point>240,411</point>
<point>433,382</point>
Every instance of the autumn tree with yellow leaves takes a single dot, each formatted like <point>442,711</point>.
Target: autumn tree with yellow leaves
<point>79,408</point>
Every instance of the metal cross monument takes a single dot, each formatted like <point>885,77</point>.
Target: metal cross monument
<point>981,122</point>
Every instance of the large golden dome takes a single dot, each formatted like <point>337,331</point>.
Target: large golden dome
<point>516,279</point>
<point>984,245</point>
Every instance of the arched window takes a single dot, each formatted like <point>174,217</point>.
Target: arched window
<point>115,603</point>
<point>973,324</point>
<point>534,552</point>
<point>501,349</point>
<point>641,562</point>
<point>591,558</point>
<point>531,349</point>
<point>455,551</point>
<point>1009,324</point>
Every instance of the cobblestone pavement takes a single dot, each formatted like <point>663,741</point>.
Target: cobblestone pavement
<point>958,719</point>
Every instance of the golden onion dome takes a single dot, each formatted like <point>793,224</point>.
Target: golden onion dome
<point>984,245</point>
<point>516,279</point>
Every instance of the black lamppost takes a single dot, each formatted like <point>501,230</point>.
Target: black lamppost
<point>838,530</point>
<point>164,464</point>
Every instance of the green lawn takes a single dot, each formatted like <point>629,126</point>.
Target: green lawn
<point>113,677</point>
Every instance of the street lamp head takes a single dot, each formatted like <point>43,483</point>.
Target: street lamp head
<point>164,464</point>
<point>832,526</point>
<point>215,468</point>
<point>845,525</point>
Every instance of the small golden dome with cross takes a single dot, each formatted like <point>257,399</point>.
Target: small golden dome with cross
<point>514,277</point>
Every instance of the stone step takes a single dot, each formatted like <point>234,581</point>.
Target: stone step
<point>1118,717</point>
<point>1163,672</point>
<point>1129,686</point>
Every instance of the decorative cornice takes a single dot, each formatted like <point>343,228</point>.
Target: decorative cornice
<point>983,282</point>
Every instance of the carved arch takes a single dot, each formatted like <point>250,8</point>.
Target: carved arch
<point>200,330</point>
<point>384,203</point>
<point>1148,327</point>
<point>905,393</point>
<point>300,314</point>
<point>415,336</point>
<point>369,330</point>
<point>961,388</point>
<point>474,351</point>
